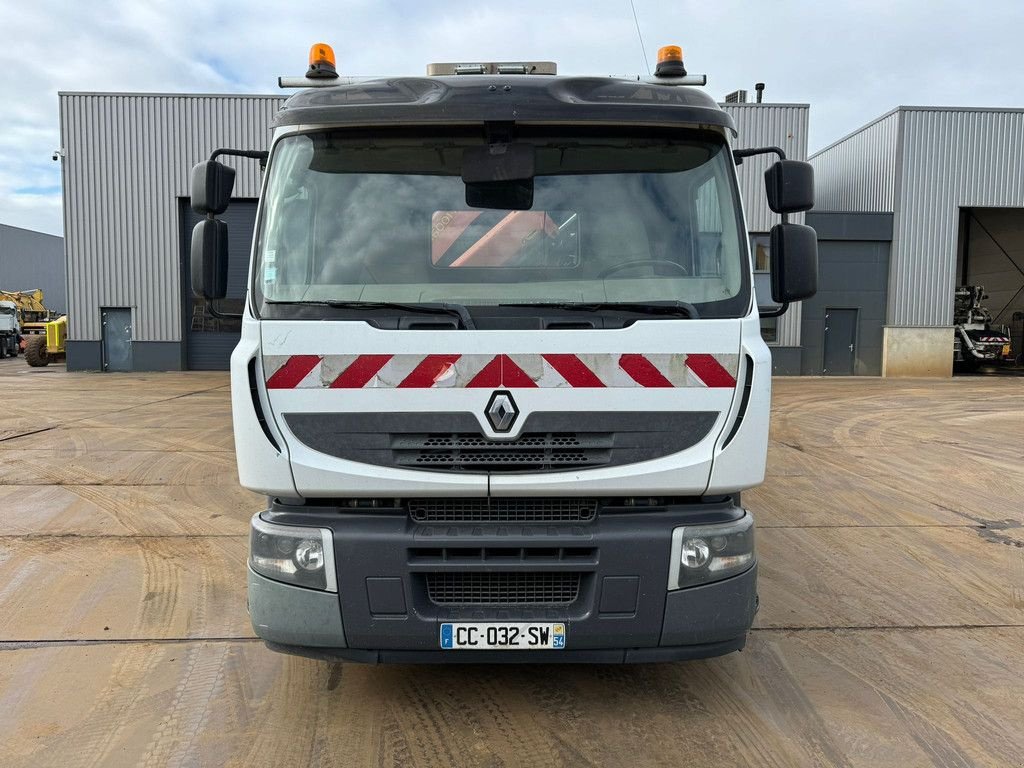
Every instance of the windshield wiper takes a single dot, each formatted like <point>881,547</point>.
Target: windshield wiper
<point>433,308</point>
<point>678,308</point>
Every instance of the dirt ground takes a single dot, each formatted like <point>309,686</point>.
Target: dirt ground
<point>891,630</point>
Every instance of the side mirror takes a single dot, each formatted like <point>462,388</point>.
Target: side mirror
<point>790,186</point>
<point>212,183</point>
<point>210,259</point>
<point>794,262</point>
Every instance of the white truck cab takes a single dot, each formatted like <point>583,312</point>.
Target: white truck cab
<point>10,329</point>
<point>500,374</point>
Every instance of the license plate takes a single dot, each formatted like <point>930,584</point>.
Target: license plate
<point>531,636</point>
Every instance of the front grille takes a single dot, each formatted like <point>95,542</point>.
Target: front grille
<point>562,441</point>
<point>503,510</point>
<point>503,588</point>
<point>487,555</point>
<point>467,452</point>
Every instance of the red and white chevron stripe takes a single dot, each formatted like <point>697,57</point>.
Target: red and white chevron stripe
<point>499,371</point>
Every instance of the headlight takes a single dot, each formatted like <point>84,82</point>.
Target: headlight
<point>706,553</point>
<point>300,556</point>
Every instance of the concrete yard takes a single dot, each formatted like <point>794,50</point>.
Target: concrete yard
<point>891,630</point>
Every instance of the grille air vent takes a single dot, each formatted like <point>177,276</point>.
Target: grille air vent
<point>503,588</point>
<point>567,510</point>
<point>530,452</point>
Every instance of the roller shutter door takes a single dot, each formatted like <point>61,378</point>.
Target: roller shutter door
<point>209,340</point>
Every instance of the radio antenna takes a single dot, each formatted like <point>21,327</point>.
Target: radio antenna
<point>643,48</point>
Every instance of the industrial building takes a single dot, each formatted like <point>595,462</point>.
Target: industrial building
<point>903,210</point>
<point>945,188</point>
<point>31,260</point>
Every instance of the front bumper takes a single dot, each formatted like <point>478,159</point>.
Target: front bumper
<point>623,611</point>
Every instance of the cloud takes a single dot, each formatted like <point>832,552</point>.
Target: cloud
<point>851,61</point>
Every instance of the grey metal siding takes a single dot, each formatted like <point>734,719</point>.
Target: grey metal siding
<point>760,125</point>
<point>30,260</point>
<point>858,172</point>
<point>127,162</point>
<point>950,158</point>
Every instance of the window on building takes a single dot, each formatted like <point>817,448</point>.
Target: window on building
<point>761,252</point>
<point>760,249</point>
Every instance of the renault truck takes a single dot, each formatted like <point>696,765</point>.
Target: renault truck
<point>500,375</point>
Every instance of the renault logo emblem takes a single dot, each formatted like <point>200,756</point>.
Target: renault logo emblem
<point>501,411</point>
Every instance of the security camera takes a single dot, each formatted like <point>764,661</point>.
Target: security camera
<point>57,154</point>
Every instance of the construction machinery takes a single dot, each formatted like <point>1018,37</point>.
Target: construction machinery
<point>32,313</point>
<point>49,346</point>
<point>976,340</point>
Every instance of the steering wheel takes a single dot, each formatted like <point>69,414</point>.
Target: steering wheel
<point>643,263</point>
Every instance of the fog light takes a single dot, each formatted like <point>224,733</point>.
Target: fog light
<point>300,556</point>
<point>695,553</point>
<point>706,553</point>
<point>310,555</point>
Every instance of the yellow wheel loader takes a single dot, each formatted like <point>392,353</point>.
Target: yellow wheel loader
<point>42,349</point>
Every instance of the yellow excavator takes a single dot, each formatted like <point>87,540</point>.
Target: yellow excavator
<point>43,333</point>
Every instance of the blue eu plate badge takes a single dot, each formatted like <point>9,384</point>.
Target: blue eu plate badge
<point>447,636</point>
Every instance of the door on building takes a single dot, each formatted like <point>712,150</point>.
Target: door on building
<point>840,343</point>
<point>116,338</point>
<point>209,339</point>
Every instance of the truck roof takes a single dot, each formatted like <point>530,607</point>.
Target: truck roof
<point>463,99</point>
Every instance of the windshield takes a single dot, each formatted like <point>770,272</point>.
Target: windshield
<point>614,219</point>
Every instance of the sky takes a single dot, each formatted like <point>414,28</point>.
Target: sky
<point>851,61</point>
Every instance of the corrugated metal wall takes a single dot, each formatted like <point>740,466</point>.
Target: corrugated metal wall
<point>30,260</point>
<point>760,125</point>
<point>950,158</point>
<point>127,162</point>
<point>924,164</point>
<point>858,172</point>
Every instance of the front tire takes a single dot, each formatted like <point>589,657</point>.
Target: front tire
<point>35,352</point>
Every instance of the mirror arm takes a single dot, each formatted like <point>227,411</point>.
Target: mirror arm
<point>739,154</point>
<point>774,312</point>
<point>255,154</point>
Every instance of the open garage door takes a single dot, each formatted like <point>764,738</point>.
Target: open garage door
<point>992,255</point>
<point>209,340</point>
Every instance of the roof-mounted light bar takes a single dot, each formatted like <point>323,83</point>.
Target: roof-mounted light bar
<point>444,69</point>
<point>686,80</point>
<point>310,82</point>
